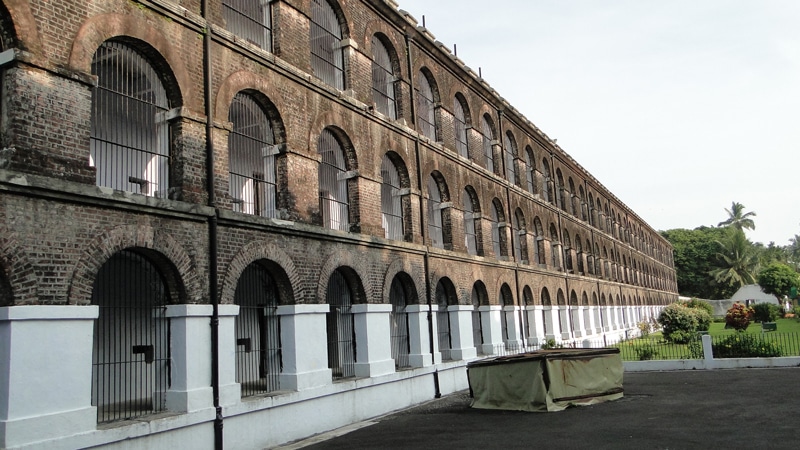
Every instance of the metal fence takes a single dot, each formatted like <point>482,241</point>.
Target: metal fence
<point>340,328</point>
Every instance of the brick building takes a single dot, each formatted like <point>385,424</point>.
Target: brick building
<point>354,212</point>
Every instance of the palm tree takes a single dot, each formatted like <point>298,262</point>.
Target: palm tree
<point>737,218</point>
<point>737,261</point>
<point>794,250</point>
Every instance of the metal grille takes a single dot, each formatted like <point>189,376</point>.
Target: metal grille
<point>426,119</point>
<point>510,154</point>
<point>129,145</point>
<point>505,300</point>
<point>391,201</point>
<point>516,235</point>
<point>529,175</point>
<point>470,238</point>
<point>340,328</point>
<point>546,181</point>
<point>333,193</point>
<point>252,159</point>
<point>258,342</point>
<point>383,79</point>
<point>399,323</point>
<point>249,19</point>
<point>460,124</point>
<point>131,360</point>
<point>495,231</point>
<point>443,323</point>
<point>435,213</point>
<point>477,328</point>
<point>487,136</point>
<point>327,58</point>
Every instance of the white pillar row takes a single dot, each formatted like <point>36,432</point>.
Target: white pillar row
<point>305,363</point>
<point>553,323</point>
<point>492,332</point>
<point>373,340</point>
<point>588,320</point>
<point>563,316</point>
<point>598,319</point>
<point>230,392</point>
<point>463,348</point>
<point>45,372</point>
<point>419,337</point>
<point>190,372</point>
<point>536,325</point>
<point>577,321</point>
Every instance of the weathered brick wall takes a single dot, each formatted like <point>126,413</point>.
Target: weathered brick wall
<point>61,240</point>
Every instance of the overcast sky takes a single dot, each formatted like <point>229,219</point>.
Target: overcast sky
<point>678,107</point>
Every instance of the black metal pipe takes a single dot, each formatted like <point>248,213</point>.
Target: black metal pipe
<point>213,238</point>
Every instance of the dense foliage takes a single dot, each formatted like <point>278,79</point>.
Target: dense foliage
<point>743,345</point>
<point>681,323</point>
<point>694,252</point>
<point>739,316</point>
<point>766,312</point>
<point>778,279</point>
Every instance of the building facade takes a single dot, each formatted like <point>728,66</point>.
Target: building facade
<point>242,222</point>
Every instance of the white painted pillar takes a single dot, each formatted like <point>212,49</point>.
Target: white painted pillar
<point>492,332</point>
<point>230,392</point>
<point>419,337</point>
<point>566,329</point>
<point>463,347</point>
<point>553,322</point>
<point>304,353</point>
<point>373,339</point>
<point>536,326</point>
<point>190,344</point>
<point>514,339</point>
<point>598,320</point>
<point>45,373</point>
<point>577,321</point>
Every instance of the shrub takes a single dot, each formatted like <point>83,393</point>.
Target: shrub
<point>681,323</point>
<point>766,312</point>
<point>700,304</point>
<point>646,352</point>
<point>739,316</point>
<point>551,344</point>
<point>645,327</point>
<point>741,345</point>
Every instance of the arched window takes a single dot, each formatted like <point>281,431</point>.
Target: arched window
<point>547,317</point>
<point>487,137</point>
<point>510,151</point>
<point>498,244</point>
<point>398,297</point>
<point>130,134</point>
<point>584,214</point>
<point>327,57</point>
<point>547,183</point>
<point>529,170</point>
<point>567,252</point>
<point>131,359</point>
<point>579,252</point>
<point>383,78</point>
<point>250,20</point>
<point>435,213</point>
<point>258,340</point>
<point>471,222</point>
<point>562,191</point>
<point>518,234</point>
<point>576,205</point>
<point>445,296</point>
<point>426,113</point>
<point>340,327</point>
<point>555,247</point>
<point>540,248</point>
<point>252,154</point>
<point>391,200</point>
<point>506,299</point>
<point>527,298</point>
<point>460,124</point>
<point>333,191</point>
<point>478,297</point>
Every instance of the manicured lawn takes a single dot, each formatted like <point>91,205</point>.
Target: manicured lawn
<point>784,326</point>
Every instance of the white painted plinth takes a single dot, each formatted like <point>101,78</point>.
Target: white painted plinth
<point>190,350</point>
<point>373,340</point>
<point>305,362</point>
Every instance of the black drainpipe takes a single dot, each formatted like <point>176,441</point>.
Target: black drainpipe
<point>213,243</point>
<point>422,231</point>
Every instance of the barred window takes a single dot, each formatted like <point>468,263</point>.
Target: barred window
<point>333,192</point>
<point>129,145</point>
<point>506,299</point>
<point>540,254</point>
<point>252,153</point>
<point>510,152</point>
<point>460,125</point>
<point>495,222</point>
<point>426,115</point>
<point>546,182</point>
<point>258,334</point>
<point>399,324</point>
<point>131,360</point>
<point>444,293</point>
<point>518,234</point>
<point>383,79</point>
<point>487,135</point>
<point>530,176</point>
<point>391,200</point>
<point>478,292</point>
<point>470,219</point>
<point>435,213</point>
<point>250,20</point>
<point>340,328</point>
<point>327,57</point>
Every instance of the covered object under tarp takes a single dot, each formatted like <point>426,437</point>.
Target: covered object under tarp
<point>546,380</point>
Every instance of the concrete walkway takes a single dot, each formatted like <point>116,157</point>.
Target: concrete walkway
<point>731,409</point>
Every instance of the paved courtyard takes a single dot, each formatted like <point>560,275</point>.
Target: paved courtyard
<point>732,409</point>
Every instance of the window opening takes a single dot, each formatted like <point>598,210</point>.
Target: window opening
<point>391,201</point>
<point>340,328</point>
<point>250,20</point>
<point>460,125</point>
<point>443,322</point>
<point>383,79</point>
<point>327,57</point>
<point>435,213</point>
<point>470,219</point>
<point>487,136</point>
<point>333,192</point>
<point>426,118</point>
<point>399,324</point>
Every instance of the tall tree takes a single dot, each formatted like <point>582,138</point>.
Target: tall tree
<point>778,279</point>
<point>737,218</point>
<point>694,254</point>
<point>737,261</point>
<point>794,251</point>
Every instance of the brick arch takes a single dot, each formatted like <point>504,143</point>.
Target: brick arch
<point>356,276</point>
<point>404,266</point>
<point>498,287</point>
<point>282,268</point>
<point>169,256</point>
<point>100,28</point>
<point>248,81</point>
<point>18,282</point>
<point>341,128</point>
<point>388,35</point>
<point>23,30</point>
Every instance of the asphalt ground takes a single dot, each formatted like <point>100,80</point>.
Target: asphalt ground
<point>709,409</point>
